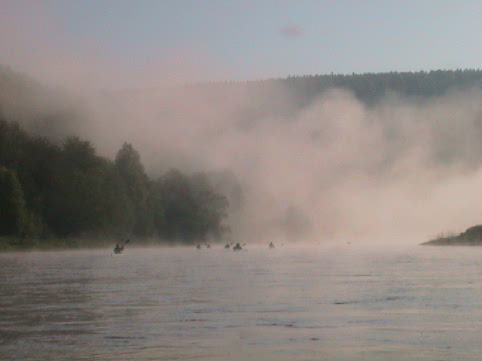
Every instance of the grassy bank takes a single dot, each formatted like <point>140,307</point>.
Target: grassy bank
<point>471,237</point>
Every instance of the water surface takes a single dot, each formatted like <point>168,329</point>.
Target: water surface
<point>290,303</point>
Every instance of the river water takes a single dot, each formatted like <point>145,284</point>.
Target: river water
<point>291,303</point>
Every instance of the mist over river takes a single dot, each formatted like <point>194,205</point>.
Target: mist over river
<point>319,302</point>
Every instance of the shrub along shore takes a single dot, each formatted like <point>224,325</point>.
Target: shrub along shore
<point>471,237</point>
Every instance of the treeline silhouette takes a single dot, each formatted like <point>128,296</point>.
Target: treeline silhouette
<point>372,87</point>
<point>67,191</point>
<point>295,92</point>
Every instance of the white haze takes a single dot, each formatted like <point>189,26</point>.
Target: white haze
<point>333,170</point>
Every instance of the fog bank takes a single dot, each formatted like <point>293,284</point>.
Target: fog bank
<point>335,169</point>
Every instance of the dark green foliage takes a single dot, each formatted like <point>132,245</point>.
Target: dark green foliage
<point>12,203</point>
<point>72,203</point>
<point>188,208</point>
<point>68,191</point>
<point>210,207</point>
<point>128,163</point>
<point>87,196</point>
<point>15,219</point>
<point>131,171</point>
<point>371,87</point>
<point>158,206</point>
<point>471,237</point>
<point>475,232</point>
<point>115,208</point>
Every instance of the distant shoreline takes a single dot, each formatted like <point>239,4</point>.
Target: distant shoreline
<point>471,237</point>
<point>13,244</point>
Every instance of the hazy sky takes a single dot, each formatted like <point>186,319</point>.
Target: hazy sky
<point>237,40</point>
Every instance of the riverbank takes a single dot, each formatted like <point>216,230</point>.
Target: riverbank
<point>15,244</point>
<point>471,237</point>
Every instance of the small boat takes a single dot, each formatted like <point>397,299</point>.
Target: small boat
<point>237,247</point>
<point>118,249</point>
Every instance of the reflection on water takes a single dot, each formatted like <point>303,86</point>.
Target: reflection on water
<point>318,303</point>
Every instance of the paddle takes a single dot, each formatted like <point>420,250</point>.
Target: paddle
<point>119,249</point>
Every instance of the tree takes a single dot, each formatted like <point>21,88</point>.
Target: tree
<point>191,209</point>
<point>131,170</point>
<point>210,208</point>
<point>12,203</point>
<point>174,189</point>
<point>87,195</point>
<point>115,207</point>
<point>158,206</point>
<point>72,202</point>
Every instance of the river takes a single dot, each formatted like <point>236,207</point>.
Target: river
<point>323,302</point>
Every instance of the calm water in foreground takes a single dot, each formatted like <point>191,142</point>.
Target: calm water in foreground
<point>303,303</point>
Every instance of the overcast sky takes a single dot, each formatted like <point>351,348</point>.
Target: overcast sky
<point>236,39</point>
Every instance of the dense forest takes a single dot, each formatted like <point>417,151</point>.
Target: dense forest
<point>372,87</point>
<point>54,185</point>
<point>66,191</point>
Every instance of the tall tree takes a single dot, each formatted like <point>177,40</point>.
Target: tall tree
<point>131,170</point>
<point>72,202</point>
<point>192,210</point>
<point>174,192</point>
<point>12,203</point>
